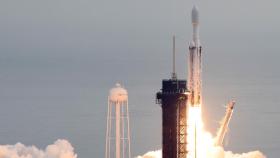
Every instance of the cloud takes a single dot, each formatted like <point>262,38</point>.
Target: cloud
<point>219,152</point>
<point>216,152</point>
<point>59,149</point>
<point>152,154</point>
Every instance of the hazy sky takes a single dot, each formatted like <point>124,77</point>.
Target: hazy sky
<point>59,58</point>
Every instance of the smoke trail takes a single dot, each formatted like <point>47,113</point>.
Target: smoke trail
<point>204,145</point>
<point>219,152</point>
<point>59,149</point>
<point>216,152</point>
<point>152,154</point>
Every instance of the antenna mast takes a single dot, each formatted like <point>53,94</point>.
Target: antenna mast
<point>174,76</point>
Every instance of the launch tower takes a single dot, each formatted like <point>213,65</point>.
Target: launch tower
<point>173,100</point>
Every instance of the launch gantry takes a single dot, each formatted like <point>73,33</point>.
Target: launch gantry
<point>173,100</point>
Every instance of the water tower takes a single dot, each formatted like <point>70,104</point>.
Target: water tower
<point>117,134</point>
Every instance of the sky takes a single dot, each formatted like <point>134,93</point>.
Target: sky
<point>59,59</point>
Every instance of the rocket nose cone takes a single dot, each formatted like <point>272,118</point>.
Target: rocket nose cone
<point>195,15</point>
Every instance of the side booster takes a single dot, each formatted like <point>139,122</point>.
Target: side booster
<point>173,100</point>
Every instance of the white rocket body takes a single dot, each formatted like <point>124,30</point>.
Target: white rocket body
<point>224,125</point>
<point>194,68</point>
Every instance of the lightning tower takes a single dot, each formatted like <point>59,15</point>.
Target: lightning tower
<point>117,134</point>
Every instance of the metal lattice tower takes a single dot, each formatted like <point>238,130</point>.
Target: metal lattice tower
<point>173,99</point>
<point>117,134</point>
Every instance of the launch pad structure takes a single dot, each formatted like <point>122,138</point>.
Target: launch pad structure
<point>173,100</point>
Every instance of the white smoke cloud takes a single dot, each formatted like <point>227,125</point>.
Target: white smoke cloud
<point>219,152</point>
<point>59,149</point>
<point>152,154</point>
<point>216,152</point>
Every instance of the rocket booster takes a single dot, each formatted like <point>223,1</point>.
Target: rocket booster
<point>224,124</point>
<point>194,67</point>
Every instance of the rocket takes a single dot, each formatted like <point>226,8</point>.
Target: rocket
<point>224,124</point>
<point>194,67</point>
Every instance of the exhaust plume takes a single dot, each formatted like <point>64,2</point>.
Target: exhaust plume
<point>152,154</point>
<point>219,152</point>
<point>216,152</point>
<point>201,144</point>
<point>59,149</point>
